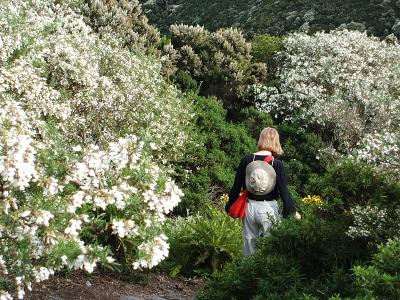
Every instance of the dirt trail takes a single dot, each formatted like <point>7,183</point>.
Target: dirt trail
<point>83,286</point>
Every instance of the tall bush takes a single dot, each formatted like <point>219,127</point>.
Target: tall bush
<point>221,60</point>
<point>86,128</point>
<point>220,146</point>
<point>63,70</point>
<point>122,20</point>
<point>346,85</point>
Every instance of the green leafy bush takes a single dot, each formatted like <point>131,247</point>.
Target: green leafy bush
<point>381,280</point>
<point>185,82</point>
<point>311,257</point>
<point>301,155</point>
<point>272,277</point>
<point>264,48</point>
<point>220,146</point>
<point>202,242</point>
<point>346,184</point>
<point>253,120</point>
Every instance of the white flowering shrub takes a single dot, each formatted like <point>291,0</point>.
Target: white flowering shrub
<point>123,20</point>
<point>48,211</point>
<point>128,196</point>
<point>345,84</point>
<point>373,222</point>
<point>80,185</point>
<point>33,209</point>
<point>60,68</point>
<point>381,148</point>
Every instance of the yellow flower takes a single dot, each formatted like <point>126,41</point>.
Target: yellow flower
<point>224,197</point>
<point>312,200</point>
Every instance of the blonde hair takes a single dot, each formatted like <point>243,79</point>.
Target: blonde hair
<point>269,140</point>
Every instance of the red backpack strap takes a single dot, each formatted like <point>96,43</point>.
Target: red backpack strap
<point>268,158</point>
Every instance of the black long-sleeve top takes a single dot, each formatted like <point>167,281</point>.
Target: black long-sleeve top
<point>280,189</point>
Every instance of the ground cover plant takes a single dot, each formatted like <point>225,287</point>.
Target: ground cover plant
<point>202,243</point>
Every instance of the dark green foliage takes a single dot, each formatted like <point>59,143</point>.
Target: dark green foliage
<point>264,48</point>
<point>348,183</point>
<point>279,17</point>
<point>212,14</point>
<point>185,81</point>
<point>221,145</point>
<point>254,120</point>
<point>311,257</point>
<point>318,245</point>
<point>301,154</point>
<point>381,280</point>
<point>268,277</point>
<point>287,16</point>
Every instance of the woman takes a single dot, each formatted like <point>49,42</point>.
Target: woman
<point>262,209</point>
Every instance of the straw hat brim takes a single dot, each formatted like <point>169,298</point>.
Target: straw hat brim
<point>260,168</point>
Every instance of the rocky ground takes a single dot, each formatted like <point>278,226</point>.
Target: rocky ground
<point>83,286</point>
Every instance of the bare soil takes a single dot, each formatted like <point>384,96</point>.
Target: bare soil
<point>101,286</point>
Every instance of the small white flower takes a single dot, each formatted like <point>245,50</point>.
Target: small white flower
<point>77,148</point>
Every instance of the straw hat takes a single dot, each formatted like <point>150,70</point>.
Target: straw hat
<point>260,177</point>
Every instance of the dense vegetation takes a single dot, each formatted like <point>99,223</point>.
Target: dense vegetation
<point>118,146</point>
<point>278,17</point>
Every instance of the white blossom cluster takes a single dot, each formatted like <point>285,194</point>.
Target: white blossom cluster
<point>42,273</point>
<point>124,228</point>
<point>5,296</point>
<point>154,251</point>
<point>71,73</point>
<point>371,221</point>
<point>92,172</point>
<point>381,149</point>
<point>164,203</point>
<point>17,154</point>
<point>82,262</point>
<point>125,165</point>
<point>343,82</point>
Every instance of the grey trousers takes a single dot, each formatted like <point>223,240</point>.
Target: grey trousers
<point>258,220</point>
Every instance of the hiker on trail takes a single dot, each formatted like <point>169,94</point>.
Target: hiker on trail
<point>265,179</point>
